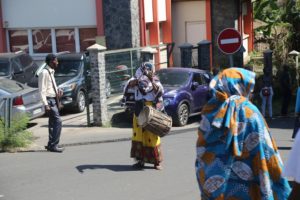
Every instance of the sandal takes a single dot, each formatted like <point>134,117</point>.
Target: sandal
<point>138,165</point>
<point>158,167</point>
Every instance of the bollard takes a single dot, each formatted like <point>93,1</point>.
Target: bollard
<point>204,55</point>
<point>268,62</point>
<point>186,54</point>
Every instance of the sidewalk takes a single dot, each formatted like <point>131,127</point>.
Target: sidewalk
<point>76,132</point>
<point>80,134</point>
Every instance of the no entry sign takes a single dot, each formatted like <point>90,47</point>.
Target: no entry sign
<point>229,41</point>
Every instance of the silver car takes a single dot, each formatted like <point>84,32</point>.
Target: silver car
<point>24,99</point>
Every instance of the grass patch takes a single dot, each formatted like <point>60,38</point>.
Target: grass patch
<point>15,136</point>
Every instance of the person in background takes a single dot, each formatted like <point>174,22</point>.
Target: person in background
<point>50,95</point>
<point>286,89</point>
<point>266,94</point>
<point>146,146</point>
<point>237,157</point>
<point>249,67</point>
<point>215,71</point>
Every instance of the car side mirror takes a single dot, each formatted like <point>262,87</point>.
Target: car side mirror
<point>195,85</point>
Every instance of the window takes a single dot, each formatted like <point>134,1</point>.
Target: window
<point>25,60</point>
<point>41,40</point>
<point>87,37</point>
<point>18,40</point>
<point>197,78</point>
<point>65,40</point>
<point>16,67</point>
<point>44,40</point>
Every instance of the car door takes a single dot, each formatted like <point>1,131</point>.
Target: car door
<point>199,91</point>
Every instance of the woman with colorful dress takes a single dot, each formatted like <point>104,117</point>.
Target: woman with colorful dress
<point>237,158</point>
<point>146,146</point>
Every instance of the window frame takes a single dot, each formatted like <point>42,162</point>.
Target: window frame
<point>53,39</point>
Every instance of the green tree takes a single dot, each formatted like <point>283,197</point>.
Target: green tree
<point>277,31</point>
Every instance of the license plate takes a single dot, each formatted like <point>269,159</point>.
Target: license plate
<point>36,111</point>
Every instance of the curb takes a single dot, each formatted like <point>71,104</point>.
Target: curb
<point>42,149</point>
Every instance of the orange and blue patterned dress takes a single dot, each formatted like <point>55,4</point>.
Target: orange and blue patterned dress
<point>237,158</point>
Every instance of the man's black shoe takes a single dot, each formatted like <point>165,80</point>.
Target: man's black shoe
<point>55,149</point>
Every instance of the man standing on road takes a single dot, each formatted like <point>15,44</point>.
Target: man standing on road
<point>50,96</point>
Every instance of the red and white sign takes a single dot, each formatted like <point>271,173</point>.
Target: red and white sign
<point>229,41</point>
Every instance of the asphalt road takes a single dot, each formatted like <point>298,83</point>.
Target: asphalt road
<point>100,172</point>
<point>103,171</point>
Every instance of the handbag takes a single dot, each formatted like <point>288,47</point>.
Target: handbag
<point>265,91</point>
<point>57,100</point>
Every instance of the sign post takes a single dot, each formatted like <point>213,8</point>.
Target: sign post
<point>229,42</point>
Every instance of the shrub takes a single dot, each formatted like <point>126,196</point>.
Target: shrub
<point>16,135</point>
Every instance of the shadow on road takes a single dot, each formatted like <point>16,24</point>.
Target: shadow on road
<point>115,168</point>
<point>284,148</point>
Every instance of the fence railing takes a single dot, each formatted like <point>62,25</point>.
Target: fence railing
<point>121,64</point>
<point>6,110</point>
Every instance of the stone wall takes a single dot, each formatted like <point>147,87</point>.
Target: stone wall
<point>121,23</point>
<point>224,13</point>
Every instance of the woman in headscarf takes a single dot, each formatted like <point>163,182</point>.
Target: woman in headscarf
<point>237,158</point>
<point>146,146</point>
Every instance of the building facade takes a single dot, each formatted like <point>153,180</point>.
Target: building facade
<point>41,27</point>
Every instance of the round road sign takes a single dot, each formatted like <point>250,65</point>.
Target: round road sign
<point>229,41</point>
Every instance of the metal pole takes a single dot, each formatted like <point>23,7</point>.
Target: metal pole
<point>231,60</point>
<point>87,99</point>
<point>297,75</point>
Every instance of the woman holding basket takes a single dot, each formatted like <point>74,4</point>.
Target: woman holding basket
<point>146,146</point>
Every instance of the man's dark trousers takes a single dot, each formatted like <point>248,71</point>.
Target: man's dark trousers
<point>54,124</point>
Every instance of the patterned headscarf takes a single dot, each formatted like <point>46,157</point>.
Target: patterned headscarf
<point>229,89</point>
<point>236,154</point>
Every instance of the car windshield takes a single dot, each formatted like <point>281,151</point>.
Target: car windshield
<point>173,78</point>
<point>4,68</point>
<point>68,68</point>
<point>11,86</point>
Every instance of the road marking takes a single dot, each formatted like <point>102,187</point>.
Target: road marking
<point>230,41</point>
<point>1,195</point>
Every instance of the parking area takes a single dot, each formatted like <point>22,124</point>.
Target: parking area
<point>71,119</point>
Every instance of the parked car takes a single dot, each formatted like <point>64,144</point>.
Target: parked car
<point>74,78</point>
<point>185,93</point>
<point>18,66</point>
<point>25,99</point>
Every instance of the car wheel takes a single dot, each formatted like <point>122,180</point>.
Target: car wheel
<point>108,89</point>
<point>182,115</point>
<point>80,104</point>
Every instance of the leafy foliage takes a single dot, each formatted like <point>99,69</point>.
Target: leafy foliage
<point>282,26</point>
<point>16,135</point>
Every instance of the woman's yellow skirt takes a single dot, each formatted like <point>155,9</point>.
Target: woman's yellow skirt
<point>145,145</point>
